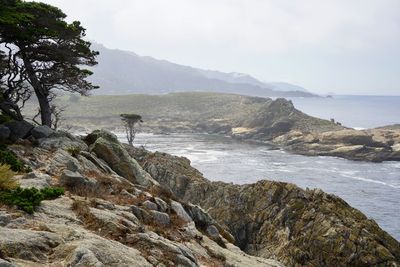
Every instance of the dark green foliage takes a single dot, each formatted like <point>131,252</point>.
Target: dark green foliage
<point>7,157</point>
<point>4,118</point>
<point>51,52</point>
<point>130,120</point>
<point>27,199</point>
<point>131,117</point>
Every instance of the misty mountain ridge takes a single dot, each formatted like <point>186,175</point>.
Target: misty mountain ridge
<point>124,72</point>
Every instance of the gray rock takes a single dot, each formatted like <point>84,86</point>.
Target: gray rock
<point>35,179</point>
<point>4,132</point>
<point>73,179</point>
<point>61,142</point>
<point>42,131</point>
<point>160,218</point>
<point>114,154</point>
<point>5,218</point>
<point>162,205</point>
<point>149,205</point>
<point>141,214</point>
<point>212,231</point>
<point>4,263</point>
<point>200,216</point>
<point>82,257</point>
<point>27,244</point>
<point>19,129</point>
<point>73,166</point>
<point>98,162</point>
<point>59,160</point>
<point>180,211</point>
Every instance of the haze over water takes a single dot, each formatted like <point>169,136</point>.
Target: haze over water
<point>353,111</point>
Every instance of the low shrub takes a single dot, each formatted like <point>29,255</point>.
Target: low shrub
<point>27,199</point>
<point>74,151</point>
<point>9,158</point>
<point>7,180</point>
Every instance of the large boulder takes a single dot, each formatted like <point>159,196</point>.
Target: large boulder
<point>42,131</point>
<point>62,140</point>
<point>72,179</point>
<point>107,147</point>
<point>180,211</point>
<point>19,129</point>
<point>4,133</point>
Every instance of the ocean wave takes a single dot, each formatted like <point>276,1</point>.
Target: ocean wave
<point>395,186</point>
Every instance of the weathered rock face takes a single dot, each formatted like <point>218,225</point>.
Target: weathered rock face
<point>107,147</point>
<point>280,220</point>
<point>107,220</point>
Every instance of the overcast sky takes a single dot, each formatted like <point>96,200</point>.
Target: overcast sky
<point>341,46</point>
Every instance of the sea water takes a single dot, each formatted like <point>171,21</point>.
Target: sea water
<point>353,111</point>
<point>373,188</point>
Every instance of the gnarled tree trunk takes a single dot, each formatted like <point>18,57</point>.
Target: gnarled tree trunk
<point>42,94</point>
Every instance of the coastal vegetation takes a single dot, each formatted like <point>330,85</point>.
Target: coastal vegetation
<point>10,159</point>
<point>27,199</point>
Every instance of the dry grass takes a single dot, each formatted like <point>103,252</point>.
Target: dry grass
<point>7,180</point>
<point>162,192</point>
<point>90,191</point>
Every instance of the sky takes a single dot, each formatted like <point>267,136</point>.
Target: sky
<point>338,46</point>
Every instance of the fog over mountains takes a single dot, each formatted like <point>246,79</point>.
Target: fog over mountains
<point>124,72</point>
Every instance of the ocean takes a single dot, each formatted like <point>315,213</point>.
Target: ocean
<point>353,111</point>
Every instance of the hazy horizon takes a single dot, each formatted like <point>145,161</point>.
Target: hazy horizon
<point>342,47</point>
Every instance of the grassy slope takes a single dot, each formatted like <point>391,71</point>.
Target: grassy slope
<point>193,107</point>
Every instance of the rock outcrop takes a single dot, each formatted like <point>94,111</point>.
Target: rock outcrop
<point>106,219</point>
<point>279,220</point>
<point>375,145</point>
<point>106,146</point>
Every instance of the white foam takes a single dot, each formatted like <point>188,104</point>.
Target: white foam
<point>371,181</point>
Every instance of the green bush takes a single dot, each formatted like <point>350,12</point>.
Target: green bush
<point>27,199</point>
<point>74,151</point>
<point>7,157</point>
<point>7,180</point>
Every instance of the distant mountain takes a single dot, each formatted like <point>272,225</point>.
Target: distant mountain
<point>122,72</point>
<point>281,86</point>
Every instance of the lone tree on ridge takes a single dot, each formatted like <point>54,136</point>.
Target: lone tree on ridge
<point>129,122</point>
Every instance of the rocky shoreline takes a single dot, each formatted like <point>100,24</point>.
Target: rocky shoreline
<point>276,122</point>
<point>125,206</point>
